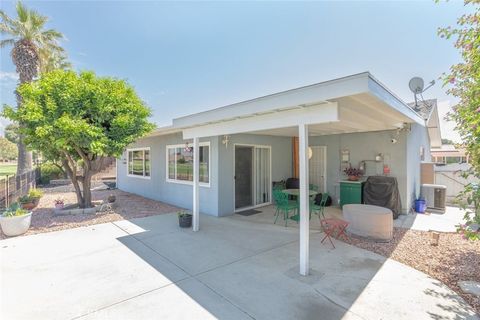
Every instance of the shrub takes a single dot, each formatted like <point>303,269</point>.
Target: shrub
<point>35,194</point>
<point>49,171</point>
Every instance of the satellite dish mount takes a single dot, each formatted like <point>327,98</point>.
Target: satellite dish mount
<point>417,86</point>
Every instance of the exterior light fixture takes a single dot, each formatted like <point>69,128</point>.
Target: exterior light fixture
<point>225,140</point>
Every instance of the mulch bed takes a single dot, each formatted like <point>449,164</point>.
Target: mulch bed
<point>453,260</point>
<point>128,206</point>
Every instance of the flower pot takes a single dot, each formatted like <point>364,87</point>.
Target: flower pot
<point>353,178</point>
<point>185,221</point>
<point>15,226</point>
<point>28,205</point>
<point>59,206</point>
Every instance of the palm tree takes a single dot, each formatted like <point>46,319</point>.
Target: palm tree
<point>29,38</point>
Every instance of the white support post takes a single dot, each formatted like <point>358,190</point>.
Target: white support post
<point>196,169</point>
<point>304,199</point>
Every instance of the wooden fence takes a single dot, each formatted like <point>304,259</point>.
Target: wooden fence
<point>14,186</point>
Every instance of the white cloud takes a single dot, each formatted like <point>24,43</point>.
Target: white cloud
<point>447,127</point>
<point>8,76</point>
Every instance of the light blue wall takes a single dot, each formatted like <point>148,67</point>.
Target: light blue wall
<point>218,199</point>
<point>281,164</point>
<point>417,138</point>
<point>365,146</point>
<point>158,188</point>
<point>402,157</point>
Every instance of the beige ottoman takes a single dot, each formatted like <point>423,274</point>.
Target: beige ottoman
<point>369,221</point>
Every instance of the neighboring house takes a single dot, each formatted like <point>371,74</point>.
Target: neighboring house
<point>448,154</point>
<point>246,146</point>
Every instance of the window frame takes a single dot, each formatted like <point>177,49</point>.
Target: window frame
<point>150,158</point>
<point>201,184</point>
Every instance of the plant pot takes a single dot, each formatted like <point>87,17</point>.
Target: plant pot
<point>111,198</point>
<point>59,206</point>
<point>28,205</point>
<point>185,221</point>
<point>353,178</point>
<point>15,226</point>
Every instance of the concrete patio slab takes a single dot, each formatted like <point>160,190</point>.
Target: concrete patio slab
<point>231,269</point>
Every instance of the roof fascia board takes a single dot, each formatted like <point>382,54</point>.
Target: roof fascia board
<point>326,112</point>
<point>381,92</point>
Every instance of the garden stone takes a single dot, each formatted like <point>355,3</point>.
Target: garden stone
<point>471,287</point>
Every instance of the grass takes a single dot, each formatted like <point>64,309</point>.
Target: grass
<point>8,169</point>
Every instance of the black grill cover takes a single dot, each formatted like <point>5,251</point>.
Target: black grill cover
<point>383,191</point>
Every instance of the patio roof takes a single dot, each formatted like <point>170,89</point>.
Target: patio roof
<point>355,103</point>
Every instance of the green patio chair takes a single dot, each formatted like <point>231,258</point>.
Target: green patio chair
<point>313,187</point>
<point>283,205</point>
<point>319,209</point>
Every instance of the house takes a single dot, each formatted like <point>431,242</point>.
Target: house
<point>448,154</point>
<point>237,151</point>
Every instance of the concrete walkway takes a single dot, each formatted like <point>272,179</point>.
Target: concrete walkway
<point>148,268</point>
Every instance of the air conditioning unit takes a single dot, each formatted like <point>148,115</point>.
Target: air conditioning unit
<point>435,197</point>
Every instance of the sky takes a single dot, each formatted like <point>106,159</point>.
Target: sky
<point>187,57</point>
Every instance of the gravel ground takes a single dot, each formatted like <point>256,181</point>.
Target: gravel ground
<point>129,206</point>
<point>454,259</point>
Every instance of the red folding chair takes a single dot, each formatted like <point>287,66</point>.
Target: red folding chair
<point>332,227</point>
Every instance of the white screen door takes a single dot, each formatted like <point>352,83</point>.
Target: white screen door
<point>318,168</point>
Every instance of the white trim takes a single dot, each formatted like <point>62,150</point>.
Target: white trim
<point>128,161</point>
<point>269,147</point>
<point>186,182</point>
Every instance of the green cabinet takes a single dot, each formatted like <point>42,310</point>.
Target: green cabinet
<point>351,192</point>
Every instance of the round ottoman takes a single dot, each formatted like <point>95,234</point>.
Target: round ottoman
<point>369,221</point>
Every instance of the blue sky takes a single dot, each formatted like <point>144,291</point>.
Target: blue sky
<point>185,57</point>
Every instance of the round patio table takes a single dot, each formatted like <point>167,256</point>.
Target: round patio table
<point>296,192</point>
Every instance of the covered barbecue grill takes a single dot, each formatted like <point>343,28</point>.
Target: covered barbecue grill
<point>383,191</point>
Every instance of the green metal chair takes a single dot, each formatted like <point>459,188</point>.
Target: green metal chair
<point>313,187</point>
<point>320,208</point>
<point>283,205</point>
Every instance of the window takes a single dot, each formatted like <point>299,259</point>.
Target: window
<point>139,162</point>
<point>180,163</point>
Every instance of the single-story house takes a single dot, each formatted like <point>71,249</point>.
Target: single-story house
<point>238,151</point>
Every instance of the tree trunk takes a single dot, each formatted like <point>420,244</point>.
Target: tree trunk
<point>87,193</point>
<point>72,174</point>
<point>26,60</point>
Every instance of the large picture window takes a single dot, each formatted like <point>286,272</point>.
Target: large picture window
<point>180,163</point>
<point>139,162</point>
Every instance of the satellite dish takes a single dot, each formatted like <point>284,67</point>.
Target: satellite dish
<point>416,85</point>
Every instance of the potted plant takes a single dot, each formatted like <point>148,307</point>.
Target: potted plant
<point>353,173</point>
<point>15,220</point>
<point>59,203</point>
<point>26,202</point>
<point>35,195</point>
<point>184,219</point>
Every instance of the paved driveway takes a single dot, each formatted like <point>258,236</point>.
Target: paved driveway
<point>148,268</point>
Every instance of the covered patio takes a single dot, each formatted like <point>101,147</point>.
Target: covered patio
<point>354,104</point>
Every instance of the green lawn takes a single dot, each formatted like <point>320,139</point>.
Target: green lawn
<point>8,169</point>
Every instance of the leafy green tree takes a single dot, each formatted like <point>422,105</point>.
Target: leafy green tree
<point>463,82</point>
<point>33,46</point>
<point>78,120</point>
<point>8,150</point>
<point>11,132</point>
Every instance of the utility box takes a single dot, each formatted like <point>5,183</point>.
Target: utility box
<point>435,195</point>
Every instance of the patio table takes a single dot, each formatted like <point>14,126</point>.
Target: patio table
<point>296,192</point>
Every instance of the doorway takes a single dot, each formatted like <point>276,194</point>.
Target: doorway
<point>252,176</point>
<point>318,168</point>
